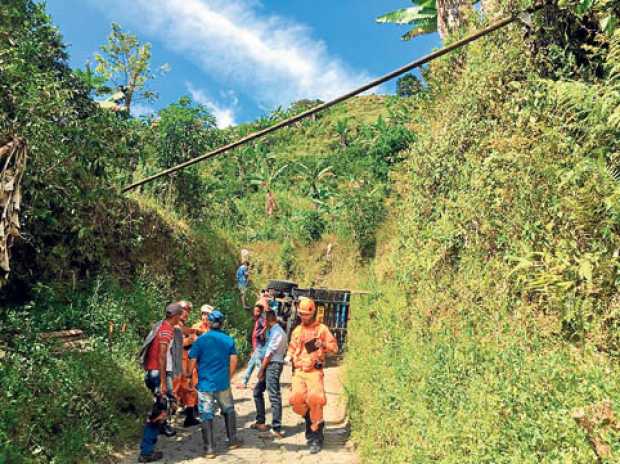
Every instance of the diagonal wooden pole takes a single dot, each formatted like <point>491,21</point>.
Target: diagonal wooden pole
<point>287,122</point>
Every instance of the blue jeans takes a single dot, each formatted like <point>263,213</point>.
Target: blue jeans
<point>151,430</point>
<point>271,383</point>
<point>149,438</point>
<point>208,401</point>
<point>254,362</point>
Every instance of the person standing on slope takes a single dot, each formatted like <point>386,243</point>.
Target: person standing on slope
<point>243,281</point>
<point>310,343</point>
<point>215,356</point>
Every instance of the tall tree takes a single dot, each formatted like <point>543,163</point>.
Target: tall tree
<point>125,62</point>
<point>408,85</point>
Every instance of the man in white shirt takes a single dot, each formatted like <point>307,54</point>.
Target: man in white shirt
<point>269,377</point>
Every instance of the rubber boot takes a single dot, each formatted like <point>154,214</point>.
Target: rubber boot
<point>308,429</point>
<point>316,442</point>
<point>231,430</point>
<point>190,417</point>
<point>207,437</point>
<point>321,435</point>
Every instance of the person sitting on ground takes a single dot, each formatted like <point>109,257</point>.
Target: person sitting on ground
<point>157,362</point>
<point>243,281</point>
<point>269,377</point>
<point>258,344</point>
<point>215,356</point>
<point>202,326</point>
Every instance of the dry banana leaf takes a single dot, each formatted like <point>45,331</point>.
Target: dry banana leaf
<point>13,164</point>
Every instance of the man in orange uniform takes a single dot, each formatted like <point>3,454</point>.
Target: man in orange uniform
<point>310,343</point>
<point>184,385</point>
<point>202,326</point>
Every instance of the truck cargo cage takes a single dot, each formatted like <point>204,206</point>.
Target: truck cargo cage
<point>333,309</point>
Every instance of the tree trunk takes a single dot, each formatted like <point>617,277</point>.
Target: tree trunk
<point>449,16</point>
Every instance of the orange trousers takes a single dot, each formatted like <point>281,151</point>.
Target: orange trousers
<point>184,389</point>
<point>308,394</point>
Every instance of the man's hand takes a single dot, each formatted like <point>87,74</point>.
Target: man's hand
<point>163,388</point>
<point>318,343</point>
<point>261,374</point>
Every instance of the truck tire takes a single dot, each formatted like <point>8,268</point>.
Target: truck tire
<point>284,286</point>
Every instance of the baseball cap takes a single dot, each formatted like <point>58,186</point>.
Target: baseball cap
<point>174,309</point>
<point>216,316</point>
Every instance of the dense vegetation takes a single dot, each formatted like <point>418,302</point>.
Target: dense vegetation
<point>481,207</point>
<point>504,244</point>
<point>93,259</point>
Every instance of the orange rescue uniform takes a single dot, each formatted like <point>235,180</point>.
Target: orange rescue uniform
<point>308,390</point>
<point>184,387</point>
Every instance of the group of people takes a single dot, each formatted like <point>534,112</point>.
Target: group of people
<point>192,367</point>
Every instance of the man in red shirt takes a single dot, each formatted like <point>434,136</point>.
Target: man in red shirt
<point>158,378</point>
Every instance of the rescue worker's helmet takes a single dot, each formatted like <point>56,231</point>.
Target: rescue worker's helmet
<point>208,309</point>
<point>216,317</point>
<point>306,306</point>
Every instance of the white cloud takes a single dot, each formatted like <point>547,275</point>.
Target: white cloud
<point>225,116</point>
<point>276,60</point>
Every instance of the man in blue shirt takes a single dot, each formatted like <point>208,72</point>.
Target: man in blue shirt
<point>215,357</point>
<point>269,376</point>
<point>243,280</point>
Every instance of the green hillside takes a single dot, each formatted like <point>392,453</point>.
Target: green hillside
<point>494,324</point>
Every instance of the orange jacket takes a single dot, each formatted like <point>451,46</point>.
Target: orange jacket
<point>301,335</point>
<point>201,327</point>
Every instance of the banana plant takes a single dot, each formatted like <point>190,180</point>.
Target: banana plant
<point>428,16</point>
<point>422,16</point>
<point>314,177</point>
<point>267,172</point>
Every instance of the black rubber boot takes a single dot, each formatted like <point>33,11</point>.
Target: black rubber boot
<point>308,429</point>
<point>190,417</point>
<point>231,430</point>
<point>316,442</point>
<point>153,457</point>
<point>207,437</point>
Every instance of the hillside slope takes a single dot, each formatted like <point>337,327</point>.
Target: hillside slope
<point>495,319</point>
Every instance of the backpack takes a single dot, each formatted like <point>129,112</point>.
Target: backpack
<point>146,344</point>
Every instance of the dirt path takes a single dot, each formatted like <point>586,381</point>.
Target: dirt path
<point>186,447</point>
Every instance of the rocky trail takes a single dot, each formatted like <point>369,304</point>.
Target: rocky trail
<point>186,447</point>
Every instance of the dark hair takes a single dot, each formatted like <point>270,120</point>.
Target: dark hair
<point>259,305</point>
<point>269,314</point>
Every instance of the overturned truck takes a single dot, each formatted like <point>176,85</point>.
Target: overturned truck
<point>333,307</point>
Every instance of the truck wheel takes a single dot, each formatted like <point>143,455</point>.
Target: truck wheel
<point>284,286</point>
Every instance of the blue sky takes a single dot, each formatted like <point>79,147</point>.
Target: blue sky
<point>242,58</point>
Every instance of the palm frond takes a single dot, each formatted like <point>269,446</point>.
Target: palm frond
<point>425,26</point>
<point>408,15</point>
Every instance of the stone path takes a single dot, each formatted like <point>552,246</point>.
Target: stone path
<point>186,447</point>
